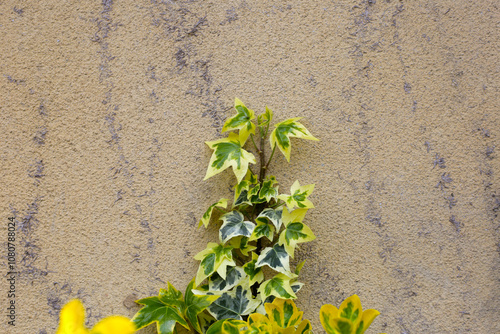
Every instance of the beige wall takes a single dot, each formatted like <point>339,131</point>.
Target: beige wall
<point>106,106</point>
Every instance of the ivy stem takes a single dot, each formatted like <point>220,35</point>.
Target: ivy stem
<point>262,158</point>
<point>255,145</point>
<point>271,157</point>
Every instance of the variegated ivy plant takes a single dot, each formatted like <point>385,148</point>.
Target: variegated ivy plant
<point>232,291</point>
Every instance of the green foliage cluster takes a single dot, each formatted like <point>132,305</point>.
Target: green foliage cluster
<point>232,291</point>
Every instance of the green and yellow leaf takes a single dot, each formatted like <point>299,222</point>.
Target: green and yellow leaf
<point>265,118</point>
<point>242,243</point>
<point>206,321</point>
<point>195,304</point>
<point>226,326</point>
<point>241,121</point>
<point>205,220</point>
<point>278,286</point>
<point>276,258</point>
<point>263,229</point>
<point>273,215</point>
<point>254,273</point>
<point>298,197</point>
<point>235,225</point>
<point>348,319</point>
<point>166,310</point>
<point>284,131</point>
<point>229,152</point>
<point>234,303</point>
<point>215,258</point>
<point>295,231</point>
<point>268,191</point>
<point>284,313</point>
<point>234,275</point>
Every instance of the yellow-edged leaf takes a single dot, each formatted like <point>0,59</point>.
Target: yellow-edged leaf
<point>284,131</point>
<point>205,220</point>
<point>228,152</point>
<point>241,121</point>
<point>215,258</point>
<point>298,197</point>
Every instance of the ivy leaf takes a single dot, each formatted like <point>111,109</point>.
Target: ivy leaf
<point>259,324</point>
<point>265,118</point>
<point>284,313</point>
<point>235,225</point>
<point>254,273</point>
<point>234,275</point>
<point>278,286</point>
<point>246,190</point>
<point>241,121</point>
<point>273,215</point>
<point>263,229</point>
<point>164,309</point>
<point>205,220</point>
<point>349,318</point>
<point>298,197</point>
<point>242,244</point>
<point>235,303</point>
<point>206,321</point>
<point>226,326</point>
<point>295,231</point>
<point>195,305</point>
<point>276,258</point>
<point>215,258</point>
<point>228,152</point>
<point>268,191</point>
<point>284,131</point>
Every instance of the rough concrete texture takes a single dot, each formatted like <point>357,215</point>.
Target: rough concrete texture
<point>106,106</point>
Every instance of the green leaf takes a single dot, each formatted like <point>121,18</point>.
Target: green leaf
<point>226,326</point>
<point>263,229</point>
<point>265,118</point>
<point>215,258</point>
<point>206,321</point>
<point>195,305</point>
<point>295,232</point>
<point>165,310</point>
<point>276,258</point>
<point>241,121</point>
<point>234,303</point>
<point>234,275</point>
<point>254,273</point>
<point>235,225</point>
<point>228,152</point>
<point>268,191</point>
<point>299,267</point>
<point>273,215</point>
<point>298,197</point>
<point>278,286</point>
<point>205,220</point>
<point>284,131</point>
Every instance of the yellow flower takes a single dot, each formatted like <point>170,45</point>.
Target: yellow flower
<point>72,321</point>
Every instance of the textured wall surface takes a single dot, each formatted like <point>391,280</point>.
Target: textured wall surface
<point>105,107</point>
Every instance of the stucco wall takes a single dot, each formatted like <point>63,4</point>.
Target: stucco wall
<point>106,105</point>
